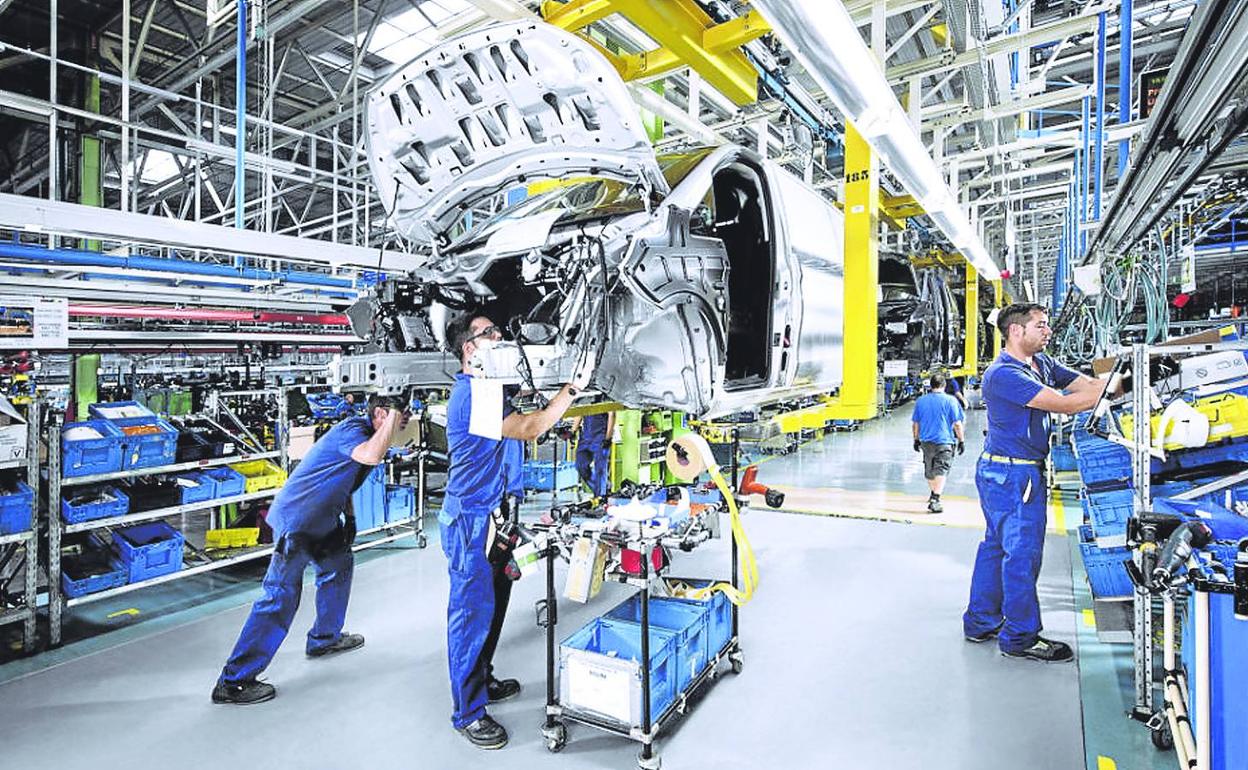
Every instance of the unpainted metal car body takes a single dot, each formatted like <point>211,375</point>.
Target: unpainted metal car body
<point>919,316</point>
<point>705,280</point>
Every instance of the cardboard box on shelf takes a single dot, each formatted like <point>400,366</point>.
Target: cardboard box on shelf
<point>13,432</point>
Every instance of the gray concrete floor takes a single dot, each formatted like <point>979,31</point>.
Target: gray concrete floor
<point>853,657</point>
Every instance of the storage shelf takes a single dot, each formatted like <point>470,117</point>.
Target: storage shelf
<point>74,481</point>
<point>16,537</point>
<point>14,615</point>
<point>198,569</point>
<point>160,513</point>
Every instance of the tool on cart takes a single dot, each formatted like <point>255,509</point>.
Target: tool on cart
<point>750,485</point>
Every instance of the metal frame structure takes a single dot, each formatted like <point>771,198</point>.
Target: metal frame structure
<point>28,541</point>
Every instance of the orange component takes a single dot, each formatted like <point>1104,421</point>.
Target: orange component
<point>140,430</point>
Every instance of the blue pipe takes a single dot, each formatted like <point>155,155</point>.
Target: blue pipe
<point>1125,33</point>
<point>240,118</point>
<point>96,259</point>
<point>1099,172</point>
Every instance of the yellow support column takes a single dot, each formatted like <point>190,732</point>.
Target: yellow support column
<point>996,331</point>
<point>970,350</point>
<point>857,400</point>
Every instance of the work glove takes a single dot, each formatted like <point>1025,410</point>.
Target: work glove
<point>918,445</point>
<point>606,444</point>
<point>961,447</point>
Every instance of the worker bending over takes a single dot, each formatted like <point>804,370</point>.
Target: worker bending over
<point>593,452</point>
<point>937,426</point>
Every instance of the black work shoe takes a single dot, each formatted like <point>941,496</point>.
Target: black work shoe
<point>1045,651</point>
<point>345,642</point>
<point>500,690</point>
<point>485,733</point>
<point>934,506</point>
<point>243,693</point>
<point>985,636</point>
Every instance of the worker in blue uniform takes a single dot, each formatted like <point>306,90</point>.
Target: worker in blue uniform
<point>593,452</point>
<point>482,431</point>
<point>937,429</point>
<point>1021,388</point>
<point>313,523</point>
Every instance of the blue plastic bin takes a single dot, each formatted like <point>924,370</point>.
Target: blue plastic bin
<point>400,503</point>
<point>1063,458</point>
<point>205,487</point>
<point>229,482</point>
<point>1102,463</point>
<point>1108,511</point>
<point>76,514</point>
<point>541,475</point>
<point>1228,680</point>
<point>87,457</point>
<point>718,614</point>
<point>119,410</point>
<point>93,580</point>
<point>687,620</point>
<point>369,501</point>
<point>150,450</point>
<point>149,550</point>
<point>16,509</point>
<point>603,647</point>
<point>328,405</point>
<point>1106,567</point>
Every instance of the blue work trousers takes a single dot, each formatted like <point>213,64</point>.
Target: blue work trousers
<point>593,466</point>
<point>273,613</point>
<point>469,614</point>
<point>1003,585</point>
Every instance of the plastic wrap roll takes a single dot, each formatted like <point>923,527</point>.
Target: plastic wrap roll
<point>688,456</point>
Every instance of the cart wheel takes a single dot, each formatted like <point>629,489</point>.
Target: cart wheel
<point>556,737</point>
<point>1162,738</point>
<point>737,660</point>
<point>421,540</point>
<point>653,763</point>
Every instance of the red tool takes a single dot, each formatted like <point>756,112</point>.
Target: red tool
<point>750,485</point>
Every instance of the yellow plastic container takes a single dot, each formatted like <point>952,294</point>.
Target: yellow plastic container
<point>1227,413</point>
<point>240,537</point>
<point>260,475</point>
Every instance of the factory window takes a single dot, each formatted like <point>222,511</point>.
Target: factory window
<point>742,222</point>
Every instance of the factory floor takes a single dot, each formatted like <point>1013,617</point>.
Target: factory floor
<point>853,656</point>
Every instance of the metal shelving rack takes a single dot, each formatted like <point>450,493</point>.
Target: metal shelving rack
<point>28,540</point>
<point>57,528</point>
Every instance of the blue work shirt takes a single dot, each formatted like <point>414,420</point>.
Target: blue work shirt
<point>936,412</point>
<point>1015,429</point>
<point>478,474</point>
<point>317,491</point>
<point>513,467</point>
<point>593,431</point>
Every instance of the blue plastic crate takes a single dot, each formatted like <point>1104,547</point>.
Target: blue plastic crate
<point>96,580</point>
<point>369,500</point>
<point>1228,680</point>
<point>1228,452</point>
<point>400,503</point>
<point>718,617</point>
<point>87,457</point>
<point>687,620</point>
<point>542,474</point>
<point>1106,567</point>
<point>328,405</point>
<point>202,487</point>
<point>1063,458</point>
<point>150,450</point>
<point>610,650</point>
<point>1226,525</point>
<point>119,410</point>
<point>1102,463</point>
<point>16,509</point>
<point>149,550</point>
<point>1108,511</point>
<point>229,482</point>
<point>90,511</point>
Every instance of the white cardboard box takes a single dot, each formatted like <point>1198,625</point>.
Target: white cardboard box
<point>13,432</point>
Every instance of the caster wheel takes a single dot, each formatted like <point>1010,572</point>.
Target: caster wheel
<point>653,763</point>
<point>556,737</point>
<point>421,541</point>
<point>738,662</point>
<point>1162,738</point>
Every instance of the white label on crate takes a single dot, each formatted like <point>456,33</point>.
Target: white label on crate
<point>601,690</point>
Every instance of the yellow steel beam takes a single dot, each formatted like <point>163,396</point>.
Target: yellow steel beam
<point>997,297</point>
<point>576,14</point>
<point>970,350</point>
<point>722,38</point>
<point>680,27</point>
<point>860,346</point>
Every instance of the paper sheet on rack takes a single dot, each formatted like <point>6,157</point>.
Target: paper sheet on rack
<point>486,419</point>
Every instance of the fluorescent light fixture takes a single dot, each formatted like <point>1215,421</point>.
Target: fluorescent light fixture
<point>821,35</point>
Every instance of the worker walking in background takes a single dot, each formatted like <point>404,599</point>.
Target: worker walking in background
<point>955,389</point>
<point>1020,389</point>
<point>483,435</point>
<point>593,451</point>
<point>937,426</point>
<point>312,522</point>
